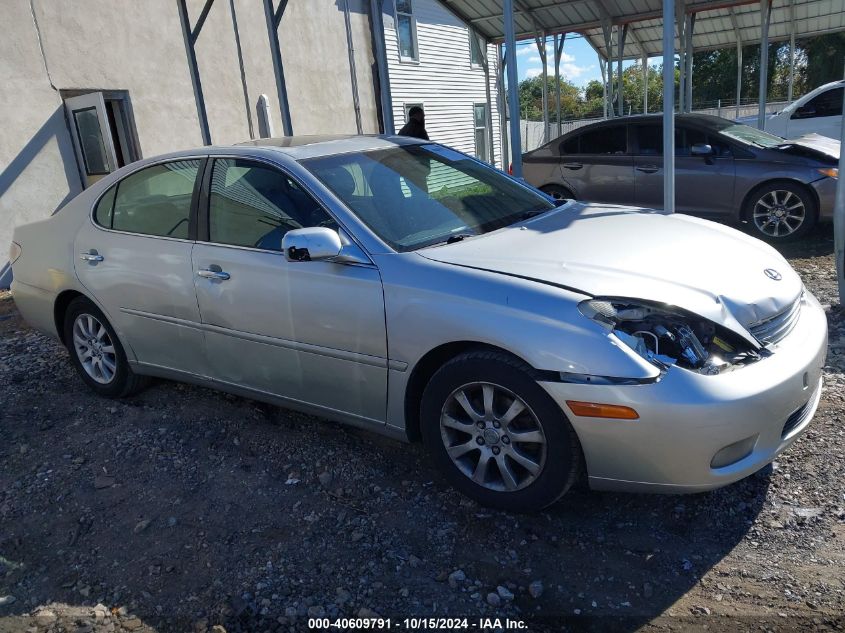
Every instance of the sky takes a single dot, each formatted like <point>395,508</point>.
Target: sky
<point>579,62</point>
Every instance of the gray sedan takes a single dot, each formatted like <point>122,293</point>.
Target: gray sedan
<point>723,170</point>
<point>407,288</point>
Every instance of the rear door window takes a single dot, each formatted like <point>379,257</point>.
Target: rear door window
<point>153,201</point>
<point>605,140</point>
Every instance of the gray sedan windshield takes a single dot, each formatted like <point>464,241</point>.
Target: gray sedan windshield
<point>413,196</point>
<point>751,136</point>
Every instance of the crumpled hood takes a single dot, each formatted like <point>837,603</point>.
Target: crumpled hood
<point>822,144</point>
<point>602,250</point>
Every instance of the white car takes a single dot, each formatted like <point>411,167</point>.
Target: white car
<point>817,112</point>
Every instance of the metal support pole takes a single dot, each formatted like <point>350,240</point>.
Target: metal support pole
<point>541,48</point>
<point>681,16</point>
<point>621,35</point>
<point>839,219</point>
<point>669,105</point>
<point>385,100</point>
<point>738,75</point>
<point>513,88</point>
<point>765,14</point>
<point>645,83</point>
<point>503,117</point>
<point>558,55</point>
<point>273,18</point>
<point>190,38</point>
<point>485,64</point>
<point>738,37</point>
<point>602,68</point>
<point>353,73</point>
<point>791,50</point>
<point>607,78</point>
<point>690,28</point>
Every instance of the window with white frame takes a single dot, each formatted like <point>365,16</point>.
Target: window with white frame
<point>406,30</point>
<point>480,120</point>
<point>408,107</point>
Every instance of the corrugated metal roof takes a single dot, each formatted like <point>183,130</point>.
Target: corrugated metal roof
<point>714,25</point>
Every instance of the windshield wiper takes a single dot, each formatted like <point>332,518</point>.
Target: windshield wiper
<point>458,237</point>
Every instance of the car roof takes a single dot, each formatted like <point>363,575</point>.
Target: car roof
<point>296,147</point>
<point>708,121</point>
<point>312,146</point>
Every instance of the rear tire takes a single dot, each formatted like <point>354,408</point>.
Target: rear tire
<point>486,406</point>
<point>96,352</point>
<point>780,212</point>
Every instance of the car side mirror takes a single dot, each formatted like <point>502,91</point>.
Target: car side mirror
<point>311,244</point>
<point>804,112</point>
<point>701,149</point>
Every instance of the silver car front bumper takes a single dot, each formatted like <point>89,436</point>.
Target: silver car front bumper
<point>687,418</point>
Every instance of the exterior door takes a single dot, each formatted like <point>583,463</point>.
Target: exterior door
<point>136,259</point>
<point>309,332</point>
<point>91,134</point>
<point>703,185</point>
<point>597,166</point>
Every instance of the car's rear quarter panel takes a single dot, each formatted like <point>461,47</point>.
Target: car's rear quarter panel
<point>45,267</point>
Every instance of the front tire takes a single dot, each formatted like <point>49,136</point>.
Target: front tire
<point>496,435</point>
<point>557,192</point>
<point>96,352</point>
<point>779,212</point>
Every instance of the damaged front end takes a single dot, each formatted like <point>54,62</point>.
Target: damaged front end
<point>666,336</point>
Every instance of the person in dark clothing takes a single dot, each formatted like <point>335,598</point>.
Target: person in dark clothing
<point>416,124</point>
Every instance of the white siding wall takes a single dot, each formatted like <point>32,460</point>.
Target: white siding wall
<point>443,80</point>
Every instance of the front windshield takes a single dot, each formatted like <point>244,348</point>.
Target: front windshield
<point>413,196</point>
<point>751,136</point>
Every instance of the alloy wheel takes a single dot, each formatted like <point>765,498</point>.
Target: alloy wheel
<point>493,437</point>
<point>94,348</point>
<point>779,213</point>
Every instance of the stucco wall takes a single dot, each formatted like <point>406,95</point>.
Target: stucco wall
<point>37,165</point>
<point>138,47</point>
<point>312,37</point>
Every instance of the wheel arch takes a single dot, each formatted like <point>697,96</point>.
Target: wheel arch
<point>60,307</point>
<point>426,367</point>
<point>744,206</point>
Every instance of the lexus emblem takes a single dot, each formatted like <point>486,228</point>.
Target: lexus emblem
<point>772,274</point>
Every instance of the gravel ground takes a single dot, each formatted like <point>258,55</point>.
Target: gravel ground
<point>184,509</point>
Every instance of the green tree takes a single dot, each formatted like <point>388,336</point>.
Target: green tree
<point>531,99</point>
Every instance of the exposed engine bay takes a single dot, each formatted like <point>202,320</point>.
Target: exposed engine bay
<point>666,336</point>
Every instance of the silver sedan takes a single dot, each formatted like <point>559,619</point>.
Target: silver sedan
<point>407,288</point>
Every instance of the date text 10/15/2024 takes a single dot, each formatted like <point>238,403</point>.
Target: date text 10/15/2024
<point>418,624</point>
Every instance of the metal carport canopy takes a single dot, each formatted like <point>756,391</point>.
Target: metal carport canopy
<point>714,26</point>
<point>718,23</point>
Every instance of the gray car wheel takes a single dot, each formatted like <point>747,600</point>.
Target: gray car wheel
<point>496,434</point>
<point>557,192</point>
<point>780,212</point>
<point>97,353</point>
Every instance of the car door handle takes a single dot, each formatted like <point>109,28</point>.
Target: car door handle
<point>647,169</point>
<point>573,165</point>
<point>213,274</point>
<point>91,257</point>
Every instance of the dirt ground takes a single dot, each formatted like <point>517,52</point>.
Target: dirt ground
<point>184,509</point>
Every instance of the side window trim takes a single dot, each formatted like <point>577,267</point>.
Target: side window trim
<point>204,206</point>
<point>192,213</point>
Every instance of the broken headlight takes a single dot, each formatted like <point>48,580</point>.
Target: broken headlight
<point>666,336</point>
